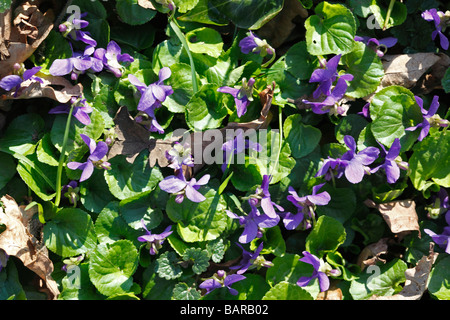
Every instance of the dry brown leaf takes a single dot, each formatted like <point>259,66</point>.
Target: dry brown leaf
<point>5,34</point>
<point>421,72</point>
<point>400,216</point>
<point>433,79</point>
<point>56,88</point>
<point>416,279</point>
<point>132,138</point>
<point>406,69</point>
<point>16,240</point>
<point>333,293</point>
<point>146,4</point>
<point>22,33</point>
<point>371,253</point>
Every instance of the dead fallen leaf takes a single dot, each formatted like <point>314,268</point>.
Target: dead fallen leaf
<point>16,240</point>
<point>333,293</point>
<point>5,34</point>
<point>56,88</point>
<point>433,79</point>
<point>406,69</point>
<point>146,4</point>
<point>22,32</point>
<point>421,72</point>
<point>372,253</point>
<point>132,138</point>
<point>400,216</point>
<point>416,279</point>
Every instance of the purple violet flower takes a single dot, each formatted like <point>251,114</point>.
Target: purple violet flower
<point>81,110</point>
<point>321,271</point>
<point>71,191</point>
<point>177,184</point>
<point>251,260</point>
<point>96,158</point>
<point>379,46</point>
<point>331,103</point>
<point>242,95</point>
<point>327,76</point>
<point>443,239</point>
<point>72,29</point>
<point>14,81</point>
<point>113,58</point>
<point>261,198</point>
<point>154,241</point>
<point>392,163</point>
<point>253,223</point>
<point>435,15</point>
<point>353,165</point>
<point>430,118</point>
<point>365,111</point>
<point>237,146</point>
<point>253,44</point>
<point>78,64</point>
<point>305,207</point>
<point>169,4</point>
<point>151,97</point>
<point>219,280</point>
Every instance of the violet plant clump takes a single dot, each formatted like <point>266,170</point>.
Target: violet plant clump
<point>96,158</point>
<point>154,241</point>
<point>301,151</point>
<point>219,280</point>
<point>305,208</point>
<point>152,97</point>
<point>352,164</point>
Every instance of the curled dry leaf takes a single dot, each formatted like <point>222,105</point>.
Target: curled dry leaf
<point>56,88</point>
<point>400,216</point>
<point>21,33</point>
<point>17,240</point>
<point>372,253</point>
<point>416,279</point>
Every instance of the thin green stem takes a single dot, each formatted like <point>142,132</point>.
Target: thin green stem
<point>280,141</point>
<point>270,60</point>
<point>388,14</point>
<point>62,158</point>
<point>182,38</point>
